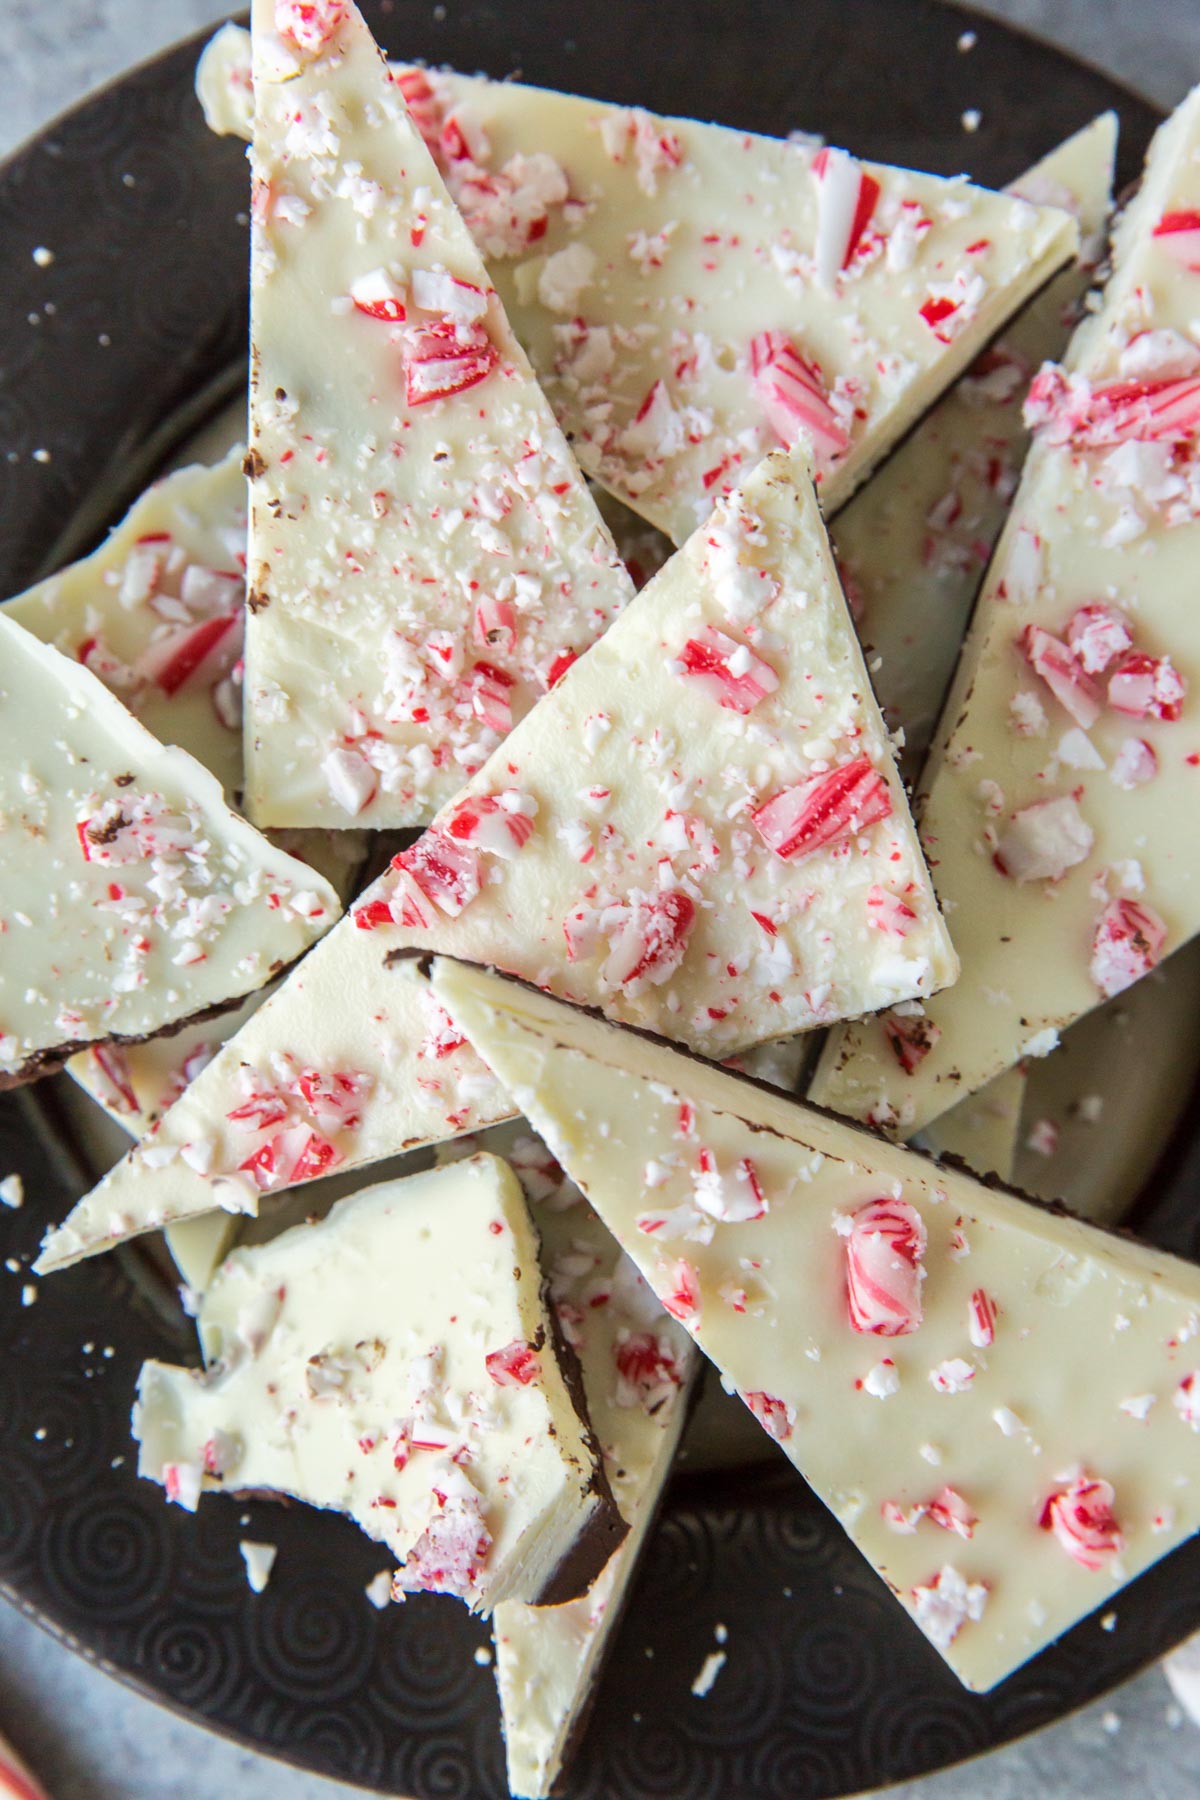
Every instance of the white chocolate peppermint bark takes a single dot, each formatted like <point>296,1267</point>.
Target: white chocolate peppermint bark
<point>425,557</point>
<point>132,898</point>
<point>443,1425</point>
<point>983,1129</point>
<point>694,295</point>
<point>701,830</point>
<point>998,1402</point>
<point>156,613</point>
<point>913,546</point>
<point>693,831</point>
<point>136,1083</point>
<point>1055,803</point>
<point>691,296</point>
<point>638,1367</point>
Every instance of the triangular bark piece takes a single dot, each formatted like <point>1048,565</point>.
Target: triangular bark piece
<point>1000,1403</point>
<point>396,1363</point>
<point>1056,800</point>
<point>701,829</point>
<point>424,553</point>
<point>133,898</point>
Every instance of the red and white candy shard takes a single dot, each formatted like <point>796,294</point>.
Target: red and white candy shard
<point>1067,754</point>
<point>413,1423</point>
<point>889,1322</point>
<point>134,897</point>
<point>1082,1519</point>
<point>681,331</point>
<point>615,849</point>
<point>423,549</point>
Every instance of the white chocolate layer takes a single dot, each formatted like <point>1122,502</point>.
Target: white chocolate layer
<point>943,1362</point>
<point>442,1426</point>
<point>156,613</point>
<point>639,259</point>
<point>618,864</point>
<point>913,545</point>
<point>1103,1109</point>
<point>133,899</point>
<point>984,1128</point>
<point>1058,826</point>
<point>136,1083</point>
<point>638,1368</point>
<point>423,549</point>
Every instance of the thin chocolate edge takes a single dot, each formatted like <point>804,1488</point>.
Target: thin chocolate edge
<point>605,1530</point>
<point>52,1060</point>
<point>948,1159</point>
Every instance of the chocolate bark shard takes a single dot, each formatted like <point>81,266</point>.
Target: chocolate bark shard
<point>638,1369</point>
<point>423,549</point>
<point>696,829</point>
<point>155,613</point>
<point>1062,767</point>
<point>135,901</point>
<point>998,1402</point>
<point>444,1426</point>
<point>913,545</point>
<point>690,294</point>
<point>983,1129</point>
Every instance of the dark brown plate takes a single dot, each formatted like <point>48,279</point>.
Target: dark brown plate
<point>107,357</point>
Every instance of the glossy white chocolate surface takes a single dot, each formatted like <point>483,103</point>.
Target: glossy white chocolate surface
<point>608,850</point>
<point>423,548</point>
<point>133,898</point>
<point>319,1385</point>
<point>1059,829</point>
<point>987,1356</point>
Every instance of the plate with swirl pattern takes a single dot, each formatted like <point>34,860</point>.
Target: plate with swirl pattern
<point>109,357</point>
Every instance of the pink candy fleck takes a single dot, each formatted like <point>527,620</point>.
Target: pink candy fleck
<point>1082,1519</point>
<point>802,819</point>
<point>516,1365</point>
<point>1127,944</point>
<point>773,1415</point>
<point>885,1241</point>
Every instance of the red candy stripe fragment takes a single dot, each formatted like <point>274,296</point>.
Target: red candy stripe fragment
<point>911,1039</point>
<point>1127,944</point>
<point>949,1510</point>
<point>514,1366</point>
<point>501,823</point>
<point>727,671</point>
<point>1118,412</point>
<point>1178,233</point>
<point>846,200</point>
<point>309,24</point>
<point>650,945</point>
<point>981,1319</point>
<point>1062,674</point>
<point>885,1241</point>
<point>805,818</point>
<point>1082,1519</point>
<point>1146,687</point>
<point>793,395</point>
<point>444,359</point>
<point>682,1299</point>
<point>773,1415</point>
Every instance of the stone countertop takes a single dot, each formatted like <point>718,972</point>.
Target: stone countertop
<point>91,1739</point>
